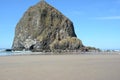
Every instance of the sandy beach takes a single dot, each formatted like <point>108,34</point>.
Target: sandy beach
<point>60,67</point>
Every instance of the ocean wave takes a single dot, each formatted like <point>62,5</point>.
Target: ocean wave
<point>3,52</point>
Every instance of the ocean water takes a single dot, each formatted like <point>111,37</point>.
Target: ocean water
<point>9,53</point>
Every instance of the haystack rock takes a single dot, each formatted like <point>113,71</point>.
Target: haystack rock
<point>43,27</point>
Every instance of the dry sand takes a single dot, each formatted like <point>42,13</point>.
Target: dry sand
<point>60,67</point>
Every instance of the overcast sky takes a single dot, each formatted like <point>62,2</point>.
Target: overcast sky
<point>96,22</point>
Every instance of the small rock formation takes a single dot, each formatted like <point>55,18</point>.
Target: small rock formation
<point>43,27</point>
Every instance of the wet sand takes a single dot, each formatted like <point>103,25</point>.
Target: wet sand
<point>60,67</point>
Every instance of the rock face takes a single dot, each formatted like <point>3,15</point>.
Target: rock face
<point>43,27</point>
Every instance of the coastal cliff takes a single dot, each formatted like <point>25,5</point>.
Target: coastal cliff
<point>43,27</point>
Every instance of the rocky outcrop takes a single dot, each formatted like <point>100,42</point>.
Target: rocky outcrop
<point>43,27</point>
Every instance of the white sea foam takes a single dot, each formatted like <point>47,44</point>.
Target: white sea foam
<point>3,52</point>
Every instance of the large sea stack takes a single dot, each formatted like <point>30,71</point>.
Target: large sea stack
<point>43,27</point>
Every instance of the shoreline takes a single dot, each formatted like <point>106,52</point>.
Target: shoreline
<point>62,53</point>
